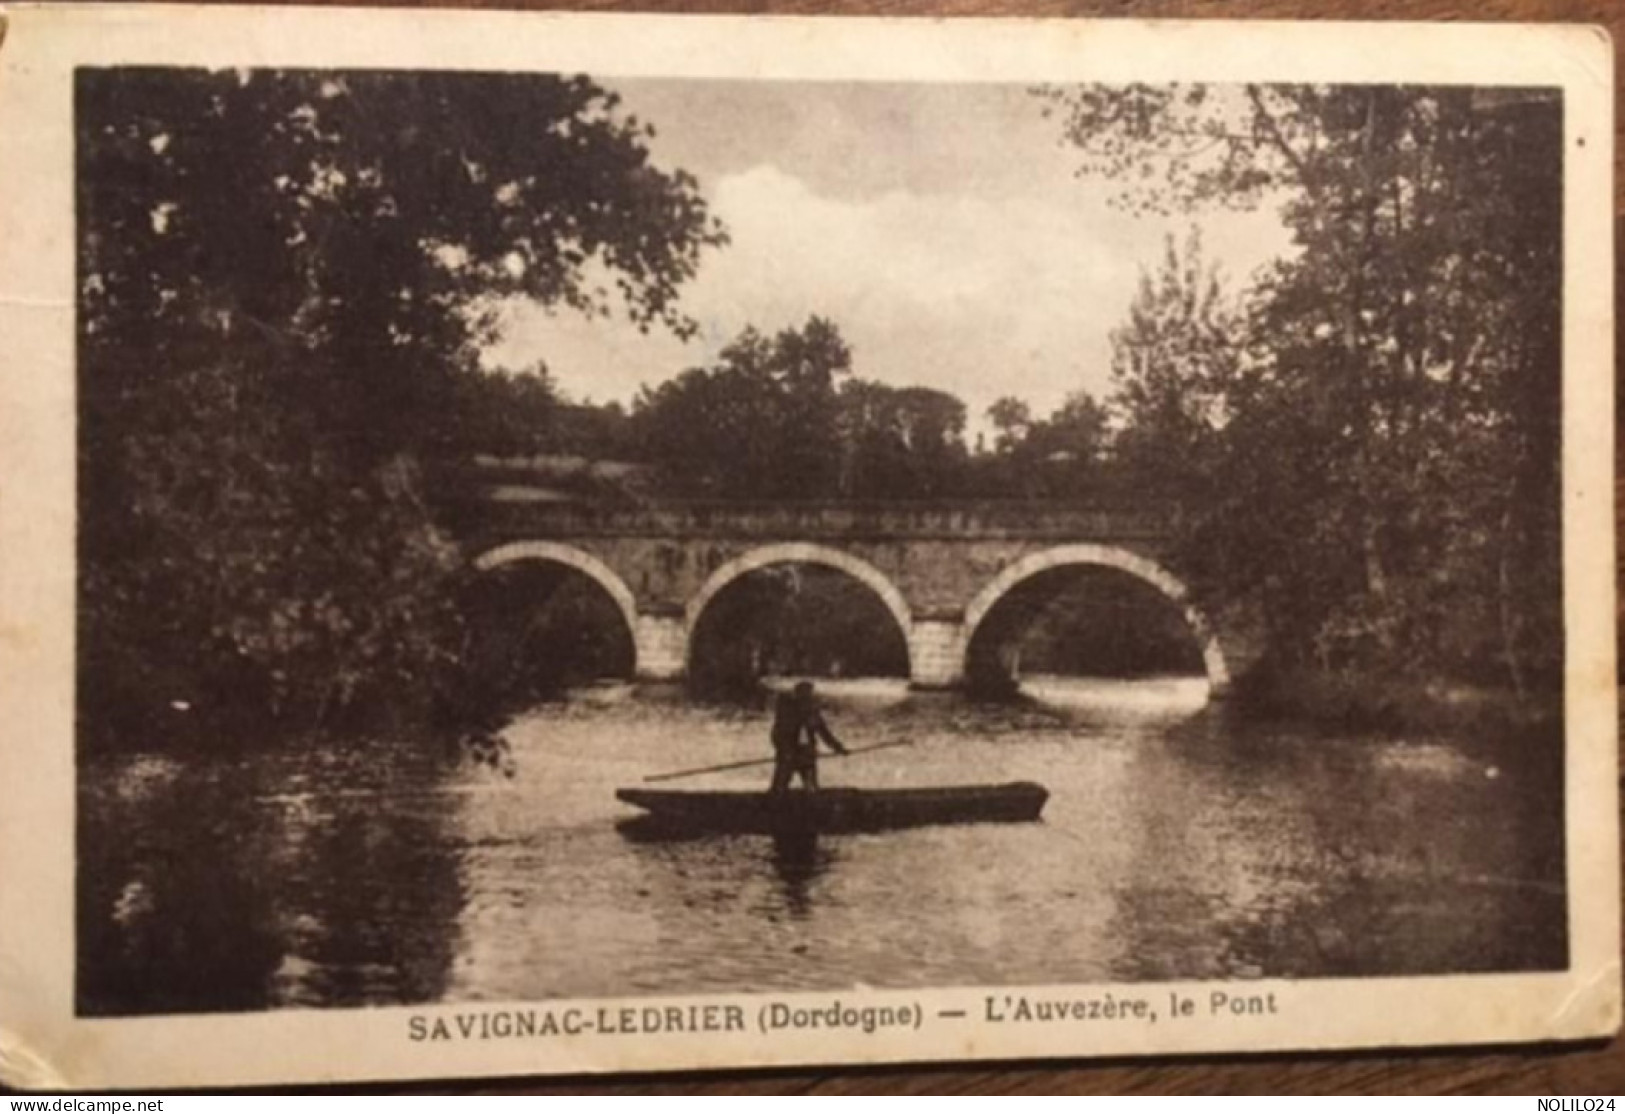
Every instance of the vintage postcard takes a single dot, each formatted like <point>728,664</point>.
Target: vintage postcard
<point>582,543</point>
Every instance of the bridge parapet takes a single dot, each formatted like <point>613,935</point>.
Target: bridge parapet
<point>511,515</point>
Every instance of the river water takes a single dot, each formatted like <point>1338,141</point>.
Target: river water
<point>1177,844</point>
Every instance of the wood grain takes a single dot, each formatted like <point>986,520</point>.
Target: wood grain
<point>1558,1071</point>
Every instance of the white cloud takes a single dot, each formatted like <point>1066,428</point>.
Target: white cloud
<point>974,294</point>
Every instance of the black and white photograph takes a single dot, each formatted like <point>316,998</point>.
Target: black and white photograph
<point>560,535</point>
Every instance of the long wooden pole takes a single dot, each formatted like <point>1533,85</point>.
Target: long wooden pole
<point>768,762</point>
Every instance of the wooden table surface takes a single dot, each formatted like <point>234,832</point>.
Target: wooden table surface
<point>1550,1071</point>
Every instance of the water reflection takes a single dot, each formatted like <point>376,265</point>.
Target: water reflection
<point>1165,700</point>
<point>233,883</point>
<point>167,921</point>
<point>1171,848</point>
<point>798,859</point>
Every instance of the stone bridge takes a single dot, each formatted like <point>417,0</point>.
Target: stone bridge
<point>938,568</point>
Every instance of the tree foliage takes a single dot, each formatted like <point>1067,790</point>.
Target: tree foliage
<point>760,422</point>
<point>1063,457</point>
<point>1174,365</point>
<point>285,278</point>
<point>900,442</point>
<point>1385,478</point>
<point>786,417</point>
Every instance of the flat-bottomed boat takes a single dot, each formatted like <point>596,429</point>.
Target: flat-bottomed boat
<point>839,810</point>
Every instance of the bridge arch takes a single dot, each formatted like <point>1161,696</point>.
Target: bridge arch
<point>580,560</point>
<point>1106,556</point>
<point>802,553</point>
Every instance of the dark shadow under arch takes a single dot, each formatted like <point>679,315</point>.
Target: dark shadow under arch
<point>1208,658</point>
<point>806,618</point>
<point>542,619</point>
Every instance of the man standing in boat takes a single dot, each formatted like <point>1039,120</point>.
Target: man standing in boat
<point>798,725</point>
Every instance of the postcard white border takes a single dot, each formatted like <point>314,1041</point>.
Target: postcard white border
<point>43,1045</point>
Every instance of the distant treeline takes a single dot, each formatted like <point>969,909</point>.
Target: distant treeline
<point>787,417</point>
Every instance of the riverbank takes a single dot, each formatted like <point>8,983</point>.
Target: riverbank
<point>1385,705</point>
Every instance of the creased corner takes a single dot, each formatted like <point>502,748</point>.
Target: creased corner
<point>1592,57</point>
<point>23,1069</point>
<point>1602,989</point>
<point>5,24</point>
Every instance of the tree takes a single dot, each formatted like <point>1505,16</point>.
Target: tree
<point>786,417</point>
<point>286,277</point>
<point>900,442</point>
<point>1174,362</point>
<point>503,413</point>
<point>1078,435</point>
<point>763,422</point>
<point>808,364</point>
<point>1058,457</point>
<point>1389,477</point>
<point>1012,421</point>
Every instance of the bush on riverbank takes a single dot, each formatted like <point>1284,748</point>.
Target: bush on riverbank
<point>1368,702</point>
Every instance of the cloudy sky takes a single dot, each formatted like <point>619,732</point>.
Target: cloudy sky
<point>940,226</point>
